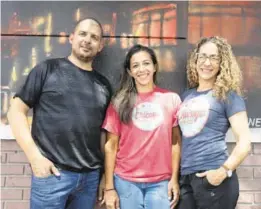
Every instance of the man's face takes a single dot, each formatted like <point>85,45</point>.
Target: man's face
<point>86,40</point>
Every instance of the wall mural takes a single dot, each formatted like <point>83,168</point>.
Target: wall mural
<point>35,31</point>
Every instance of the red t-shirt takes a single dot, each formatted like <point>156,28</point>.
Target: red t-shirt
<point>144,153</point>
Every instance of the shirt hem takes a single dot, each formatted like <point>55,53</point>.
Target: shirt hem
<point>145,180</point>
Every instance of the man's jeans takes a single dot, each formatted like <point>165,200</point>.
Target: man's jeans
<point>135,195</point>
<point>71,190</point>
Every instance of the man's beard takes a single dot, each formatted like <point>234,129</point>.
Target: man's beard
<point>83,58</point>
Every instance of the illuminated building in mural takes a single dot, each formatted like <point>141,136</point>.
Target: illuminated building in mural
<point>239,23</point>
<point>44,34</point>
<point>154,22</point>
<point>48,32</point>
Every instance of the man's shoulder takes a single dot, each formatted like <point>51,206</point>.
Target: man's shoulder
<point>49,63</point>
<point>101,78</point>
<point>54,61</point>
<point>45,68</point>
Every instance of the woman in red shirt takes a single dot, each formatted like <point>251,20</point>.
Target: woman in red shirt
<point>142,152</point>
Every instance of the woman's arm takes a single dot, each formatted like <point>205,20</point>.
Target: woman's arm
<point>239,125</point>
<point>173,188</point>
<point>176,146</point>
<point>240,128</point>
<point>111,148</point>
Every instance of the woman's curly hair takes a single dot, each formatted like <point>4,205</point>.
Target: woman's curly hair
<point>229,77</point>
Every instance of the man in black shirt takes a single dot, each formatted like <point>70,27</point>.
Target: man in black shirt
<point>69,101</point>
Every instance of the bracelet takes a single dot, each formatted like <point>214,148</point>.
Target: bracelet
<point>106,190</point>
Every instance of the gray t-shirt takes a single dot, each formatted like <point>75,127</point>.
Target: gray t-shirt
<point>204,122</point>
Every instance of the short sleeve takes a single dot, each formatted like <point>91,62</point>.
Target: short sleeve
<point>31,91</point>
<point>186,93</point>
<point>234,104</point>
<point>112,121</point>
<point>176,105</point>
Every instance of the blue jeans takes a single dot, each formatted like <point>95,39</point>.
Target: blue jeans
<point>135,195</point>
<point>71,191</point>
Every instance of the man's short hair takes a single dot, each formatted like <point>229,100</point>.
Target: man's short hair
<point>89,18</point>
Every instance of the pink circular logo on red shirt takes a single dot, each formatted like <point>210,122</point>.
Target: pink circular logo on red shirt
<point>147,116</point>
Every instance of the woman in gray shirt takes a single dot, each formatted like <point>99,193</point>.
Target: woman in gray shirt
<point>210,107</point>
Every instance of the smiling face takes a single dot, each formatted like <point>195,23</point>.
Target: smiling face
<point>142,69</point>
<point>208,61</point>
<point>86,40</point>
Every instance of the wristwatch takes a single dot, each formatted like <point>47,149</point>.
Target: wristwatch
<point>228,171</point>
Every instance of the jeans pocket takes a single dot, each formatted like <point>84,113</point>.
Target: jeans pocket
<point>43,184</point>
<point>43,178</point>
<point>162,190</point>
<point>208,185</point>
<point>123,187</point>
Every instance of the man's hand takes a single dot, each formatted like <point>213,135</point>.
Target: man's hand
<point>173,193</point>
<point>111,199</point>
<point>42,167</point>
<point>214,177</point>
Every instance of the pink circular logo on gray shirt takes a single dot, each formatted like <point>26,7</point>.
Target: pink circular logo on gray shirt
<point>193,115</point>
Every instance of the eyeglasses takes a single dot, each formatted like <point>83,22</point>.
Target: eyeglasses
<point>213,58</point>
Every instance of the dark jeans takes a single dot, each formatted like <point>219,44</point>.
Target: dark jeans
<point>198,193</point>
<point>71,191</point>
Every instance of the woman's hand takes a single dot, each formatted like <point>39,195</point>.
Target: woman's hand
<point>214,177</point>
<point>173,193</point>
<point>111,199</point>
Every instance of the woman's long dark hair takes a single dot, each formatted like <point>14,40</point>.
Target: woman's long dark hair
<point>125,97</point>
